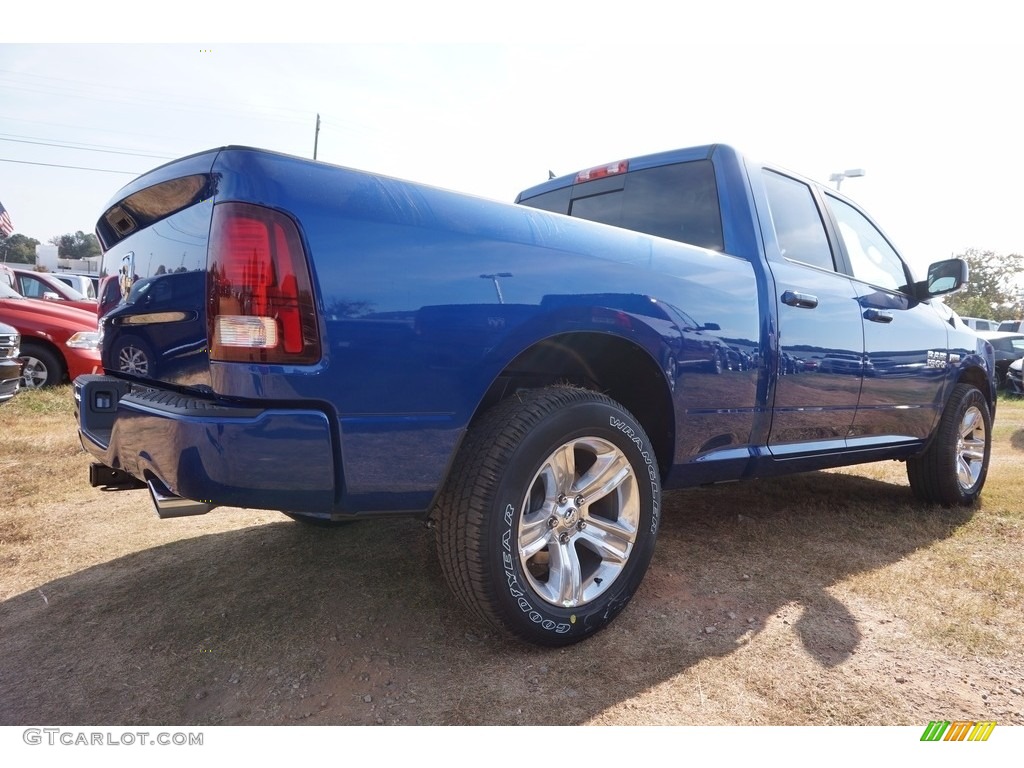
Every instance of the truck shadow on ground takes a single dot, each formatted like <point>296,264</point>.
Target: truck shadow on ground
<point>283,623</point>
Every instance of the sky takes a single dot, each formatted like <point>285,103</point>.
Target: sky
<point>927,106</point>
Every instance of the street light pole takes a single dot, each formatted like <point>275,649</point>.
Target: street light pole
<point>852,173</point>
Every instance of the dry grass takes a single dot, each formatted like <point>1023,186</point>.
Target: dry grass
<point>828,598</point>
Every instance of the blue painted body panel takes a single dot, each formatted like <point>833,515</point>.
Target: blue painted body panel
<point>427,298</point>
<point>226,456</point>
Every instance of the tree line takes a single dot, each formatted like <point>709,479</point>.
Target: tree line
<point>996,287</point>
<point>21,249</point>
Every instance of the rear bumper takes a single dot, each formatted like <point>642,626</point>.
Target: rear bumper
<point>210,452</point>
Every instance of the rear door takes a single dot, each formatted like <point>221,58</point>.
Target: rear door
<point>820,335</point>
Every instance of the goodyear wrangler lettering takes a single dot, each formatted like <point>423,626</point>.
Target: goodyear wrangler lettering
<point>652,472</point>
<point>512,581</point>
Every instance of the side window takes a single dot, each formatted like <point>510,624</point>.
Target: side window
<point>798,225</point>
<point>872,259</point>
<point>31,288</point>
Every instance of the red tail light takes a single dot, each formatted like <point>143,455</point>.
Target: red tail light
<point>612,169</point>
<point>261,304</point>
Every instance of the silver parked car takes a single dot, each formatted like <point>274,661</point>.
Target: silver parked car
<point>10,362</point>
<point>1015,377</point>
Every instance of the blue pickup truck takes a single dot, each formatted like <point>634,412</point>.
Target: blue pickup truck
<point>339,345</point>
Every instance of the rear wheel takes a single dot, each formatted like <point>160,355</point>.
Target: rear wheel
<point>548,522</point>
<point>43,368</point>
<point>952,471</point>
<point>133,355</point>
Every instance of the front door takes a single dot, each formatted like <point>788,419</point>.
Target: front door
<point>905,339</point>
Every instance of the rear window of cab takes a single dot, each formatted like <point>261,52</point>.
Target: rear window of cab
<point>677,202</point>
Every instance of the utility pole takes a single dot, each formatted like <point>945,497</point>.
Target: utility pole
<point>316,136</point>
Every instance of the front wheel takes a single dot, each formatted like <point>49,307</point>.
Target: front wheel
<point>952,471</point>
<point>548,522</point>
<point>43,368</point>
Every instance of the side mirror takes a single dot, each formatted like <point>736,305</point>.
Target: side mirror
<point>712,327</point>
<point>947,276</point>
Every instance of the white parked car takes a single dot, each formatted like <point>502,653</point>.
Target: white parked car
<point>84,284</point>
<point>980,323</point>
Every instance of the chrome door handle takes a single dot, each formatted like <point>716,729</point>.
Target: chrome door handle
<point>802,300</point>
<point>877,316</point>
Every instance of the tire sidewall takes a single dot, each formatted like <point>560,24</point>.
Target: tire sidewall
<point>973,398</point>
<point>529,614</point>
<point>50,362</point>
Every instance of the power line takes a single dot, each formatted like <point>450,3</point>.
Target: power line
<point>87,128</point>
<point>186,100</point>
<point>73,167</point>
<point>164,104</point>
<point>86,149</point>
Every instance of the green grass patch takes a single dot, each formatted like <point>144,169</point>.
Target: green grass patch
<point>50,400</point>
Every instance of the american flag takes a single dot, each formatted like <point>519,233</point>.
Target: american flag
<point>6,228</point>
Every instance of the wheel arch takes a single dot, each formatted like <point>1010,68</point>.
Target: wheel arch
<point>976,377</point>
<point>617,367</point>
<point>45,343</point>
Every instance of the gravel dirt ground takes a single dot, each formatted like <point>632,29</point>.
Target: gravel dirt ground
<point>831,598</point>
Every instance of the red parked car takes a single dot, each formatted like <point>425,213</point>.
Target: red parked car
<point>44,285</point>
<point>58,342</point>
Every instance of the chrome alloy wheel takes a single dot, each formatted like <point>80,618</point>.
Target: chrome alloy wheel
<point>970,448</point>
<point>131,359</point>
<point>579,522</point>
<point>35,374</point>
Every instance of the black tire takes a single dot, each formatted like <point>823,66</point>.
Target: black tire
<point>514,510</point>
<point>43,367</point>
<point>134,356</point>
<point>952,471</point>
<point>316,522</point>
